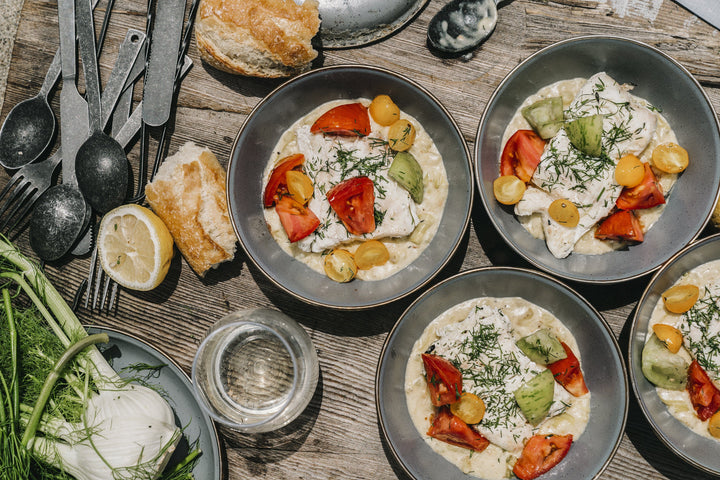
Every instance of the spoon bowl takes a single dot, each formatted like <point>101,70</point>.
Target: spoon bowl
<point>60,216</point>
<point>462,25</point>
<point>102,172</point>
<point>27,132</point>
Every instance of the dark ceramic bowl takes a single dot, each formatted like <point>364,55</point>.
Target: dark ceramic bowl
<point>691,447</point>
<point>259,135</point>
<point>664,83</point>
<point>602,366</point>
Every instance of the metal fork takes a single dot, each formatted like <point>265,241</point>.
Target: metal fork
<point>27,185</point>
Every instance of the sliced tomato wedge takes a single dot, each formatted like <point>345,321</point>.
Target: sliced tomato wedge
<point>704,396</point>
<point>567,373</point>
<point>277,185</point>
<point>450,429</point>
<point>521,154</point>
<point>443,378</point>
<point>621,225</point>
<point>540,454</point>
<point>297,220</point>
<point>646,195</point>
<point>348,120</point>
<point>354,202</point>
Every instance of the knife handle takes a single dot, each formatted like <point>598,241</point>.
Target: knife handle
<point>84,24</point>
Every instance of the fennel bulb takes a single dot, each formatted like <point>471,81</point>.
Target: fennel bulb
<point>132,436</point>
<point>79,416</point>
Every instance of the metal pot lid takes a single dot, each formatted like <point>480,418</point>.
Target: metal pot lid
<point>352,23</point>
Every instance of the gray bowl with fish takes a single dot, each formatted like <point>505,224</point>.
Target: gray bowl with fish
<point>669,89</point>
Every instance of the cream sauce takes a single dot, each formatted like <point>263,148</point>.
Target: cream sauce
<point>403,249</point>
<point>524,318</point>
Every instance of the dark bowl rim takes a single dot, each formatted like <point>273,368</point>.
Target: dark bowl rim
<point>481,125</point>
<point>468,214</point>
<point>550,278</point>
<point>635,376</point>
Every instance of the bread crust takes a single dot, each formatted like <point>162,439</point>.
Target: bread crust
<point>260,38</point>
<point>188,194</point>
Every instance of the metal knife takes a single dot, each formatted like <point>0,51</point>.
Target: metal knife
<point>708,10</point>
<point>162,64</point>
<point>74,120</point>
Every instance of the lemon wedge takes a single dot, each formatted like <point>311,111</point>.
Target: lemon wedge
<point>135,247</point>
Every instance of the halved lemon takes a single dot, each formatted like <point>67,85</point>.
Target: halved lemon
<point>135,247</point>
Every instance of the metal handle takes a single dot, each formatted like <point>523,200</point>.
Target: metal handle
<point>86,35</point>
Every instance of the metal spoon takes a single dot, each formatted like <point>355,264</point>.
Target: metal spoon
<point>101,164</point>
<point>461,25</point>
<point>30,126</point>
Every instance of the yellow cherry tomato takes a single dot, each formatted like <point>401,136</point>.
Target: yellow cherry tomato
<point>469,408</point>
<point>680,298</point>
<point>384,111</point>
<point>564,212</point>
<point>508,189</point>
<point>714,425</point>
<point>299,185</point>
<point>401,135</point>
<point>670,158</point>
<point>669,335</point>
<point>340,266</point>
<point>370,254</point>
<point>629,171</point>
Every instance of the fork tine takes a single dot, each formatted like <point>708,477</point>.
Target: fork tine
<point>106,288</point>
<point>13,195</point>
<point>91,277</point>
<point>29,204</point>
<point>25,200</point>
<point>96,290</point>
<point>10,183</point>
<point>113,296</point>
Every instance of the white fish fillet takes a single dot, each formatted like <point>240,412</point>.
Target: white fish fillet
<point>323,156</point>
<point>563,172</point>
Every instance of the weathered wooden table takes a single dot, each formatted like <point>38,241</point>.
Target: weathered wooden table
<point>338,435</point>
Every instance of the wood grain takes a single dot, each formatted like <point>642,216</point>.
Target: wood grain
<point>338,435</point>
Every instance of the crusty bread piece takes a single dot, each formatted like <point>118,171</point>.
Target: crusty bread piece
<point>188,194</point>
<point>259,38</point>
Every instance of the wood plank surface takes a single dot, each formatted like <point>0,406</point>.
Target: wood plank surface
<point>338,435</point>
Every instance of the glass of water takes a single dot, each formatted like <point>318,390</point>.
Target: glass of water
<point>255,371</point>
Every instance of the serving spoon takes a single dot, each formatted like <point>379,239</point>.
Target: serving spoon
<point>462,25</point>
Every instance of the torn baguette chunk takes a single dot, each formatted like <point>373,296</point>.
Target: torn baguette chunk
<point>188,194</point>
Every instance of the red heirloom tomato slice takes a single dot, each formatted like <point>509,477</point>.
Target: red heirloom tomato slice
<point>704,396</point>
<point>646,195</point>
<point>567,373</point>
<point>348,120</point>
<point>354,202</point>
<point>621,225</point>
<point>521,154</point>
<point>541,453</point>
<point>297,220</point>
<point>450,429</point>
<point>277,185</point>
<point>443,378</point>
